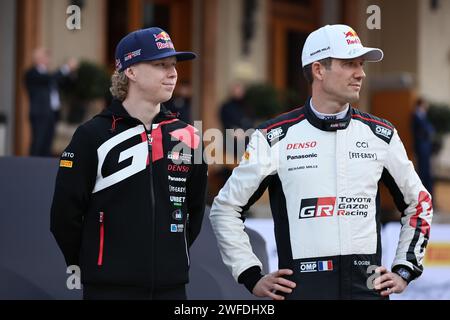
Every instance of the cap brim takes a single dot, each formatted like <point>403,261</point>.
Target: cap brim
<point>368,54</point>
<point>373,54</point>
<point>180,55</point>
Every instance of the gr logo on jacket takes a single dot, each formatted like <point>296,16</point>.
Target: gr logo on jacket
<point>125,207</point>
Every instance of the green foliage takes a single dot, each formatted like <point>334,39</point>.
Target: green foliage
<point>263,99</point>
<point>91,82</point>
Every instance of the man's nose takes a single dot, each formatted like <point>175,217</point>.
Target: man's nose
<point>172,72</point>
<point>360,74</point>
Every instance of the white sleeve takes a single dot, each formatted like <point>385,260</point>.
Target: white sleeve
<point>417,205</point>
<point>226,220</point>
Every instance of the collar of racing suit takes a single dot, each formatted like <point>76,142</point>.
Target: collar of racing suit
<point>116,110</point>
<point>327,124</point>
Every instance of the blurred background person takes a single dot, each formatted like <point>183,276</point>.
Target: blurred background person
<point>43,92</point>
<point>233,112</point>
<point>423,133</point>
<point>236,115</point>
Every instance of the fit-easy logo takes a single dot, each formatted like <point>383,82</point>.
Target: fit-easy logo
<point>301,145</point>
<point>317,207</point>
<point>382,131</point>
<point>177,189</point>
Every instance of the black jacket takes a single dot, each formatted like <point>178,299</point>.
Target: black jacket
<point>125,215</point>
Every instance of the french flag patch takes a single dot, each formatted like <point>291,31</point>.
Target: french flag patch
<point>326,265</point>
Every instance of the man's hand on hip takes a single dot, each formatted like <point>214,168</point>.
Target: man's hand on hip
<point>388,282</point>
<point>268,285</point>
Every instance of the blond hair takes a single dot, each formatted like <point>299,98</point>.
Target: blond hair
<point>119,87</point>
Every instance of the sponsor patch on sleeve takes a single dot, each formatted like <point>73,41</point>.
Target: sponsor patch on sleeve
<point>66,164</point>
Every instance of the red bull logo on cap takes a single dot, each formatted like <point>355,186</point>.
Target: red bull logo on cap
<point>354,39</point>
<point>163,40</point>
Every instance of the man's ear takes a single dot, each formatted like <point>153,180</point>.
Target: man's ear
<point>317,70</point>
<point>129,72</point>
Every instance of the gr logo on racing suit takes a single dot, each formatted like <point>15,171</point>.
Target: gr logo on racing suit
<point>324,207</point>
<point>317,207</point>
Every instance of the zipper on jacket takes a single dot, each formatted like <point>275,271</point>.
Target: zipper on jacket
<point>102,238</point>
<point>185,240</point>
<point>152,206</point>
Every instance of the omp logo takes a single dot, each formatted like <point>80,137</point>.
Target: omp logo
<point>138,154</point>
<point>314,266</point>
<point>310,266</point>
<point>317,207</point>
<point>275,133</point>
<point>301,145</point>
<point>382,131</point>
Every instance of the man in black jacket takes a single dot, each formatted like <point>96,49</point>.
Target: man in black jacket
<point>42,87</point>
<point>130,191</point>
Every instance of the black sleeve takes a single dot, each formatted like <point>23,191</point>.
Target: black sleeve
<point>196,198</point>
<point>74,184</point>
<point>250,277</point>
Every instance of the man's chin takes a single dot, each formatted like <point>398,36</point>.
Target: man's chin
<point>166,98</point>
<point>353,98</point>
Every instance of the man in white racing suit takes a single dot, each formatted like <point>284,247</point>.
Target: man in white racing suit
<point>322,164</point>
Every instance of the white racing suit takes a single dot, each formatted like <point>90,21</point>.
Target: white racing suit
<point>323,178</point>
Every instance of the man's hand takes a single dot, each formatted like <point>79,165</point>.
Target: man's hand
<point>388,282</point>
<point>272,282</point>
<point>73,64</point>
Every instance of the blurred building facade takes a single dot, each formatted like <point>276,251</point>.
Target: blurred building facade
<point>254,40</point>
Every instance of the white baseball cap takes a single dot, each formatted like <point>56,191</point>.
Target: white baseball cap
<point>336,41</point>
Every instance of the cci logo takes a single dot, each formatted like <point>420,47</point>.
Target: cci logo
<point>362,144</point>
<point>317,207</point>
